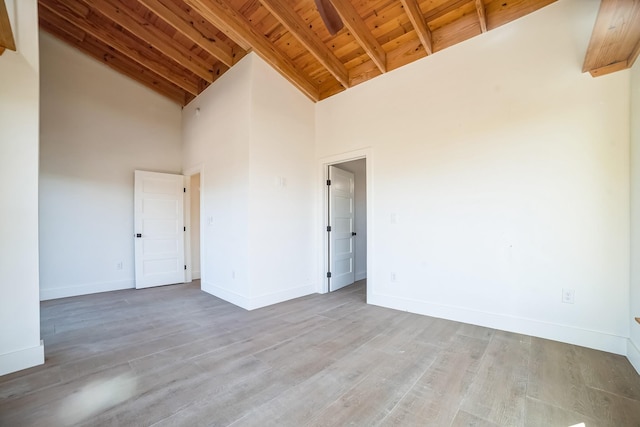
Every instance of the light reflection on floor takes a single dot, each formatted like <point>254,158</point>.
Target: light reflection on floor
<point>96,397</point>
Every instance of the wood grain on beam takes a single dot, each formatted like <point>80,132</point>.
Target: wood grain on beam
<point>173,15</point>
<point>123,65</point>
<point>482,17</point>
<point>129,20</point>
<point>501,12</point>
<point>239,29</point>
<point>457,31</point>
<point>117,40</point>
<point>362,34</point>
<point>414,13</point>
<point>443,9</point>
<point>310,40</point>
<point>6,35</point>
<point>80,9</point>
<point>615,38</point>
<point>608,69</point>
<point>60,25</point>
<point>404,53</point>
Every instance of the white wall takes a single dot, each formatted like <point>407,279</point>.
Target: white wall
<point>251,134</point>
<point>507,170</point>
<point>281,201</point>
<point>633,351</point>
<point>97,127</point>
<point>20,345</point>
<point>215,137</point>
<point>359,170</point>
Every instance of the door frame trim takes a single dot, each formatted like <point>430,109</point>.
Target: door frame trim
<point>323,164</point>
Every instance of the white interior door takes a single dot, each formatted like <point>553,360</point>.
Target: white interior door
<point>341,216</point>
<point>159,229</point>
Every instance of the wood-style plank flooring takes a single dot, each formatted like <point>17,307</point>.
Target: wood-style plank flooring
<point>176,356</point>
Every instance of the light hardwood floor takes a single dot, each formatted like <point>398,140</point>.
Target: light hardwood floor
<point>176,356</point>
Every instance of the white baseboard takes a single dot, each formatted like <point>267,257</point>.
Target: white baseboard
<point>225,294</point>
<point>556,332</point>
<point>633,354</point>
<point>195,275</point>
<point>22,359</point>
<point>280,296</point>
<point>361,275</point>
<point>252,303</point>
<point>88,288</point>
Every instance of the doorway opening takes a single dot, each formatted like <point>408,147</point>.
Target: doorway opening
<point>193,257</point>
<point>346,224</point>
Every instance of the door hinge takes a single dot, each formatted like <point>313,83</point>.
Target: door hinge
<point>184,189</point>
<point>328,228</point>
<point>185,267</point>
<point>185,228</point>
<point>328,182</point>
<point>328,275</point>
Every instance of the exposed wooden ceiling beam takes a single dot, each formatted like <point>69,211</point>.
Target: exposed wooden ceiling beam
<point>117,40</point>
<point>615,39</point>
<point>165,41</point>
<point>240,30</point>
<point>101,52</point>
<point>362,34</point>
<point>310,40</point>
<point>6,35</point>
<point>412,9</point>
<point>482,16</point>
<point>173,15</point>
<point>130,21</point>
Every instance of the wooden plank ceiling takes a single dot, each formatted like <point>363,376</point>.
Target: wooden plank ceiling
<point>179,47</point>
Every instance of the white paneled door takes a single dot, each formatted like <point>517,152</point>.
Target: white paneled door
<point>159,229</point>
<point>341,218</point>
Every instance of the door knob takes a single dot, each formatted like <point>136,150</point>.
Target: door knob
<point>353,233</point>
<point>138,235</point>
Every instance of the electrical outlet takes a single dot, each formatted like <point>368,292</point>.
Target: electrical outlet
<point>119,265</point>
<point>568,296</point>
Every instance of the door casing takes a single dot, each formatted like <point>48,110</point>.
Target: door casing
<point>323,259</point>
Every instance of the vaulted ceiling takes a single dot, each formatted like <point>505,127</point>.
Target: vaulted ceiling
<point>179,47</point>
